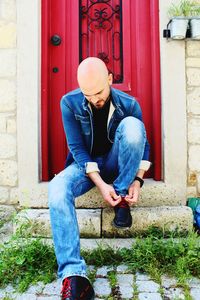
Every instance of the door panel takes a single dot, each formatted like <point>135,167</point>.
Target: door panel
<point>125,34</point>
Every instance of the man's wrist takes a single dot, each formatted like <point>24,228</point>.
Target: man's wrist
<point>140,180</point>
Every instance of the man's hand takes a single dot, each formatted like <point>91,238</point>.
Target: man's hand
<point>109,195</point>
<point>133,193</point>
<point>106,190</point>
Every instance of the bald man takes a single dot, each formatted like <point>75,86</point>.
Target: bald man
<point>108,149</point>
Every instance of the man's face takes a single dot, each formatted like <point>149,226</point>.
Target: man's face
<point>100,94</point>
<point>99,99</point>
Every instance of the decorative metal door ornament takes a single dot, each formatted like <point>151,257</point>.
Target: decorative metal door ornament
<point>100,33</point>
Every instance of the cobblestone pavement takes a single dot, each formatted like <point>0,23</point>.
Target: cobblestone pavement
<point>124,286</point>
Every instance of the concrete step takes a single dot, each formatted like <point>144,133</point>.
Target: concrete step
<point>96,223</point>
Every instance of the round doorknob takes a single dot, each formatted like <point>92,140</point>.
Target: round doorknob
<point>56,40</point>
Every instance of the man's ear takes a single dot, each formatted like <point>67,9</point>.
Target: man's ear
<point>110,79</point>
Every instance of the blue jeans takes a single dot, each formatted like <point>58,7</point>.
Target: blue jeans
<point>119,166</point>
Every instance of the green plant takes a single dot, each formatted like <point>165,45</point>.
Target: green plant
<point>112,277</point>
<point>24,261</point>
<point>92,275</point>
<point>185,8</point>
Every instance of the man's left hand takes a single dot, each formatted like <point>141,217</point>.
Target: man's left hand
<point>133,193</point>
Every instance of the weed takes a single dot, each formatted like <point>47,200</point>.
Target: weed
<point>102,257</point>
<point>135,290</point>
<point>92,275</point>
<point>7,298</point>
<point>112,277</point>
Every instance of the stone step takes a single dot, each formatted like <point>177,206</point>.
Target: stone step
<point>153,193</point>
<point>96,223</point>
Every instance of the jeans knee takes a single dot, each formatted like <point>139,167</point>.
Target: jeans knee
<point>133,130</point>
<point>56,193</point>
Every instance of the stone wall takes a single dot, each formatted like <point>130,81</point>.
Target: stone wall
<point>8,111</point>
<point>193,116</point>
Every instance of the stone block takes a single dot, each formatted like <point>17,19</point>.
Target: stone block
<point>8,62</point>
<point>8,146</point>
<point>193,77</point>
<point>170,218</point>
<point>150,296</point>
<point>7,95</point>
<point>193,131</point>
<point>102,287</point>
<point>193,48</point>
<point>122,269</point>
<point>193,62</point>
<point>194,282</point>
<point>25,296</point>
<point>193,159</point>
<point>168,282</point>
<point>142,277</point>
<point>103,271</point>
<point>90,244</point>
<point>195,292</point>
<point>4,194</point>
<point>191,191</point>
<point>193,101</point>
<point>147,286</point>
<point>8,172</point>
<point>52,288</point>
<point>34,197</point>
<point>2,124</point>
<point>14,197</point>
<point>8,9</point>
<point>11,126</point>
<point>7,35</point>
<point>89,221</point>
<point>125,282</point>
<point>174,293</point>
<point>6,213</point>
<point>91,199</point>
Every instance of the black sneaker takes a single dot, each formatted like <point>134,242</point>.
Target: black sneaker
<point>123,218</point>
<point>77,288</point>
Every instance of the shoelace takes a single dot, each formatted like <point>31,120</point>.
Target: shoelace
<point>123,204</point>
<point>66,289</point>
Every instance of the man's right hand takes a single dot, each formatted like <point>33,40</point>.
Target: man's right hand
<point>109,195</point>
<point>107,191</point>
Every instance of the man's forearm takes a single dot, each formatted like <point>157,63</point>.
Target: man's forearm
<point>140,173</point>
<point>96,178</point>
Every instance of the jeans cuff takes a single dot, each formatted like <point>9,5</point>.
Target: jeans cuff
<point>74,274</point>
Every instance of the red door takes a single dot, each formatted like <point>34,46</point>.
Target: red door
<point>125,34</point>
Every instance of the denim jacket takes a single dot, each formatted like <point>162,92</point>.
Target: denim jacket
<point>78,125</point>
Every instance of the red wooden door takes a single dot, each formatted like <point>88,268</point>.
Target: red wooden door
<point>125,34</point>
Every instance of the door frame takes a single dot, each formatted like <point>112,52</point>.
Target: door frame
<point>156,92</point>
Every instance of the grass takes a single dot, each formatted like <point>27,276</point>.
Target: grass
<point>26,261</point>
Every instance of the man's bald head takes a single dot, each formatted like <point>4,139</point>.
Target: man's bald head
<point>94,81</point>
<point>92,75</point>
